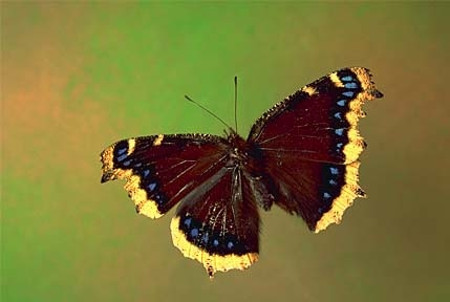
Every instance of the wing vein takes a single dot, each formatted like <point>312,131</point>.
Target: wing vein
<point>182,173</point>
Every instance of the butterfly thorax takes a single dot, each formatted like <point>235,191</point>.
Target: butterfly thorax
<point>237,152</point>
<point>243,155</point>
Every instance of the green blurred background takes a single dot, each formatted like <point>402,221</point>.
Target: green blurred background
<point>77,77</point>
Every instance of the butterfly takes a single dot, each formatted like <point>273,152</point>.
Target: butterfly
<point>301,155</point>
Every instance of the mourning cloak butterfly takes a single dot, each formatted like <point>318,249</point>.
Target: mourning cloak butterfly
<point>302,155</point>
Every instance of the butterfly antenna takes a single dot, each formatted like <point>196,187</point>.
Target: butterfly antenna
<point>207,110</point>
<point>235,104</point>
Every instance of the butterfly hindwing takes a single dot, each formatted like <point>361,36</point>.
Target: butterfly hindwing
<point>318,192</point>
<point>218,223</point>
<point>161,169</point>
<point>310,144</point>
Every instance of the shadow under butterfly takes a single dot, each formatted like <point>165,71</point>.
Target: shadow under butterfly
<point>301,155</point>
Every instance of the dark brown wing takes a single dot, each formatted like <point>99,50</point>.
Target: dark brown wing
<point>217,222</point>
<point>310,146</point>
<point>162,169</point>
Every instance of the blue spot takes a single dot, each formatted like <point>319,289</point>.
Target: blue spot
<point>339,145</point>
<point>230,245</point>
<point>216,242</point>
<point>122,157</point>
<point>337,115</point>
<point>194,232</point>
<point>332,182</point>
<point>205,237</point>
<point>347,78</point>
<point>120,151</point>
<point>334,170</point>
<point>151,186</point>
<point>320,210</point>
<point>341,103</point>
<point>127,163</point>
<point>326,195</point>
<point>187,222</point>
<point>348,93</point>
<point>146,173</point>
<point>351,85</point>
<point>339,131</point>
<point>158,198</point>
<point>138,165</point>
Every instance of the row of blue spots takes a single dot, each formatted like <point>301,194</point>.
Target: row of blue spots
<point>332,181</point>
<point>349,83</point>
<point>197,233</point>
<point>150,185</point>
<point>122,157</point>
<point>333,177</point>
<point>144,175</point>
<point>159,198</point>
<point>121,151</point>
<point>191,227</point>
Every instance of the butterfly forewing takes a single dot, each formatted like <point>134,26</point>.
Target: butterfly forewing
<point>310,145</point>
<point>160,170</point>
